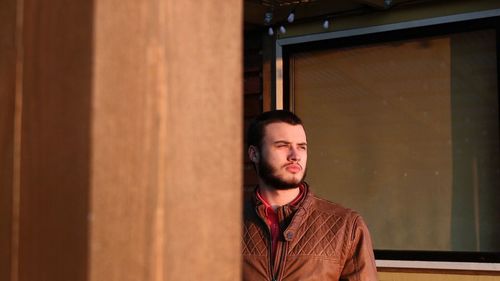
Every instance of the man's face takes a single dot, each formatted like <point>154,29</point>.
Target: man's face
<point>283,155</point>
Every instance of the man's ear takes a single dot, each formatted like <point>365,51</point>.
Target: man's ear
<point>253,154</point>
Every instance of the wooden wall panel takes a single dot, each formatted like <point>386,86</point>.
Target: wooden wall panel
<point>55,153</point>
<point>204,148</point>
<point>128,114</point>
<point>130,140</point>
<point>166,172</point>
<point>7,111</point>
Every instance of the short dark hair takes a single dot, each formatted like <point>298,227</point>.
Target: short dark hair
<point>255,132</point>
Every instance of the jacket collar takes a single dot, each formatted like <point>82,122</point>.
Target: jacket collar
<point>293,206</point>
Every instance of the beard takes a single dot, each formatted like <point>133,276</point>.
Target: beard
<point>266,173</point>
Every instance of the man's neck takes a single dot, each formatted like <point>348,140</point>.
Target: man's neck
<point>278,197</point>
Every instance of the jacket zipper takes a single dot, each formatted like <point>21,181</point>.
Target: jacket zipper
<point>271,262</point>
<point>276,262</point>
<point>280,251</point>
<point>274,277</point>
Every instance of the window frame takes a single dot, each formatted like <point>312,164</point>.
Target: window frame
<point>283,99</point>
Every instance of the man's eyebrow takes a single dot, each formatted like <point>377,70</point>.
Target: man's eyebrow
<point>287,142</point>
<point>281,141</point>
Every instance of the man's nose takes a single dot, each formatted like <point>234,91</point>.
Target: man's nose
<point>293,154</point>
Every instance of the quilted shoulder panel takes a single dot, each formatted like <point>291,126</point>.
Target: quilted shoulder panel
<point>254,242</point>
<point>324,232</point>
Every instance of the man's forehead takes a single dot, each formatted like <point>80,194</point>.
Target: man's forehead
<point>284,130</point>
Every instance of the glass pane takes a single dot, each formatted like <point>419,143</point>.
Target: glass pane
<point>407,133</point>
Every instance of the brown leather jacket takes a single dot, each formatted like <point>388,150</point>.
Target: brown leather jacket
<point>319,241</point>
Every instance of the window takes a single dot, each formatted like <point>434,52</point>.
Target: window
<point>403,126</point>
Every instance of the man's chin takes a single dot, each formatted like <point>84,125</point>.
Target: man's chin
<point>280,184</point>
<point>286,187</point>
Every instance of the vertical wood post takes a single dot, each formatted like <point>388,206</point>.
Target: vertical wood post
<point>130,138</point>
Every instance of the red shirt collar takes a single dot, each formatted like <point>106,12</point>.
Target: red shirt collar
<point>294,202</point>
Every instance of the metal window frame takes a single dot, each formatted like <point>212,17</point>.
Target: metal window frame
<point>391,259</point>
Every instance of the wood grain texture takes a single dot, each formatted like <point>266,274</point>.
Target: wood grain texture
<point>205,144</point>
<point>53,228</point>
<point>131,140</point>
<point>7,117</point>
<point>166,167</point>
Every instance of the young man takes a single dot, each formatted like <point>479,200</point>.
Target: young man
<point>289,233</point>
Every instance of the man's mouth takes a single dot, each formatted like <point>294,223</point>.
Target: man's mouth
<point>293,168</point>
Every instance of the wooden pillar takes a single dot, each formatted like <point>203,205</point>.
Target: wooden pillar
<point>167,134</point>
<point>130,141</point>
